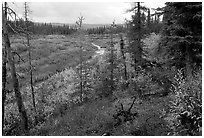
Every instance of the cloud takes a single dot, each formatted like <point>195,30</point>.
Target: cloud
<point>68,12</point>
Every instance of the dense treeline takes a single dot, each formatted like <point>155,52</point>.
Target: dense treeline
<point>139,27</point>
<point>107,29</point>
<point>182,35</point>
<point>175,64</point>
<point>42,28</point>
<point>49,28</point>
<point>181,42</point>
<point>151,23</point>
<point>181,47</point>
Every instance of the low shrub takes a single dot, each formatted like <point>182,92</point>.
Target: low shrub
<point>185,114</point>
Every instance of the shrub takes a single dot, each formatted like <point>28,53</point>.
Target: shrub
<point>185,114</point>
<point>52,98</point>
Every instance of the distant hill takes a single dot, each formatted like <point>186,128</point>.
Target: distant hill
<point>85,26</point>
<point>95,25</point>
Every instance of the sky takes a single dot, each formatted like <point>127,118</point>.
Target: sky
<point>68,12</point>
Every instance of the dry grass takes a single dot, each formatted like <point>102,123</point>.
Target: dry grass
<point>96,118</point>
<point>50,54</point>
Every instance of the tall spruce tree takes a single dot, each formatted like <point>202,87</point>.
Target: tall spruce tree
<point>135,34</point>
<point>182,41</point>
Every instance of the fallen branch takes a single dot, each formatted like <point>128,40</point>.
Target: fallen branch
<point>123,115</point>
<point>132,104</point>
<point>19,57</point>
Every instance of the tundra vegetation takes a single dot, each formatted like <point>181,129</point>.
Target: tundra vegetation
<point>142,78</point>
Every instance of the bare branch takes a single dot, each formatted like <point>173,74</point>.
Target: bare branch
<point>13,29</point>
<point>10,10</point>
<point>132,104</point>
<point>135,7</point>
<point>18,56</point>
<point>121,106</point>
<point>19,75</point>
<point>80,20</point>
<point>113,24</point>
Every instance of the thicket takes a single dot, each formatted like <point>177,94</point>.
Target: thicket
<point>181,46</point>
<point>185,114</point>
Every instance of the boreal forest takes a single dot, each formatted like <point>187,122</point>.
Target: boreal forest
<point>140,78</point>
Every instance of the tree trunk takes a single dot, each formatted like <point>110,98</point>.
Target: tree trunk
<point>21,108</point>
<point>30,59</point>
<point>125,67</point>
<point>135,60</point>
<point>155,17</point>
<point>138,50</point>
<point>139,33</point>
<point>81,60</point>
<point>111,75</point>
<point>4,74</point>
<point>81,67</point>
<point>79,23</point>
<point>81,80</point>
<point>148,20</point>
<point>188,73</point>
<point>123,55</point>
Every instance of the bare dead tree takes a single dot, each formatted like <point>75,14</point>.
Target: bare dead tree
<point>21,108</point>
<point>79,24</point>
<point>26,11</point>
<point>80,21</point>
<point>123,56</point>
<point>113,25</point>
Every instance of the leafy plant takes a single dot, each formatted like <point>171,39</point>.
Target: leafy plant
<point>185,114</point>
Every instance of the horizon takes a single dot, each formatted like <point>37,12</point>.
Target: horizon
<point>68,12</point>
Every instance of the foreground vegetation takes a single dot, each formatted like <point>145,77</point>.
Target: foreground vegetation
<point>144,82</point>
<point>60,111</point>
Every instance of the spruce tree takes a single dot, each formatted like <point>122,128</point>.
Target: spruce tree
<point>182,41</point>
<point>136,31</point>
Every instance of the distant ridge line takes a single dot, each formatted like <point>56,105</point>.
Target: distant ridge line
<point>85,25</point>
